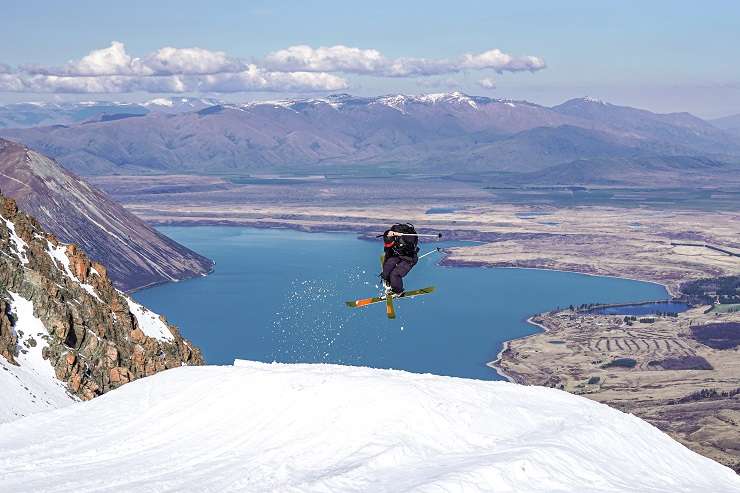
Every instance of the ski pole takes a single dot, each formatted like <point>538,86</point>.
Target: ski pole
<point>393,233</point>
<point>429,253</point>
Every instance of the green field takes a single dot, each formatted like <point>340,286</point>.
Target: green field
<point>726,308</point>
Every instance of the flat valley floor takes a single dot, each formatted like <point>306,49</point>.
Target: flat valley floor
<point>647,235</point>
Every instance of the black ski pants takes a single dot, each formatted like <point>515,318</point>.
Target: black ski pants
<point>394,268</point>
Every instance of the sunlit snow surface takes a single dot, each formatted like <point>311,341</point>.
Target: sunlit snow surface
<point>149,322</point>
<point>259,427</point>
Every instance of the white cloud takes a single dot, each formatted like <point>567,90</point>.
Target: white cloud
<point>257,79</point>
<point>167,70</point>
<point>433,82</point>
<point>106,61</point>
<point>114,60</point>
<point>487,83</point>
<point>345,59</point>
<point>252,79</point>
<point>42,83</point>
<point>295,69</point>
<point>10,82</point>
<point>501,62</point>
<point>337,58</point>
<point>194,61</point>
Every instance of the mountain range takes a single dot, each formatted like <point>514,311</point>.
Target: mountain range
<point>135,254</point>
<point>445,134</point>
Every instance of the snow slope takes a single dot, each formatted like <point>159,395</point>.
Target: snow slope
<point>32,386</point>
<point>259,427</point>
<point>150,323</point>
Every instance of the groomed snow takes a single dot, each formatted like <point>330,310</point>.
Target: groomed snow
<point>149,322</point>
<point>273,427</point>
<point>31,387</point>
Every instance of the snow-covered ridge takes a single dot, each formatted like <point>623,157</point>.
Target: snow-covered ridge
<point>184,102</point>
<point>397,102</point>
<point>335,101</point>
<point>275,427</point>
<point>160,102</point>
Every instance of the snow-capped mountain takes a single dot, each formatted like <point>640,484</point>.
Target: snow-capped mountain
<point>443,134</point>
<point>273,427</point>
<point>135,254</point>
<point>65,332</point>
<point>179,105</point>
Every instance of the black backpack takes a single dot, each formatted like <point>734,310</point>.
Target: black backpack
<point>406,246</point>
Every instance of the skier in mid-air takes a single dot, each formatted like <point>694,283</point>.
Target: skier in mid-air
<point>401,254</point>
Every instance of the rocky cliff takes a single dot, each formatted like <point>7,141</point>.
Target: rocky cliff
<point>59,305</point>
<point>136,254</point>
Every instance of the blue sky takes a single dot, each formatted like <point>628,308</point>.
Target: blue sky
<point>657,54</point>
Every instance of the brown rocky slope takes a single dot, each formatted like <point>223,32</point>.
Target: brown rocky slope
<point>135,253</point>
<point>98,338</point>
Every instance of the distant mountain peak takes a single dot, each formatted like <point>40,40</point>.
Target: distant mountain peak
<point>583,102</point>
<point>160,102</point>
<point>399,101</point>
<point>181,101</point>
<point>395,101</point>
<point>589,99</point>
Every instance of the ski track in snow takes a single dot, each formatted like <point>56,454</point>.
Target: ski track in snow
<point>302,428</point>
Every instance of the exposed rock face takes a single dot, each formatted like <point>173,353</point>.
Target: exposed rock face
<point>135,253</point>
<point>95,341</point>
<point>8,339</point>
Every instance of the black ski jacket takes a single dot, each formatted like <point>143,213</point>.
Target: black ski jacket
<point>395,248</point>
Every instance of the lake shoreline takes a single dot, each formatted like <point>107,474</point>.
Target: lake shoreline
<point>367,235</point>
<point>506,346</point>
<point>496,265</point>
<point>672,378</point>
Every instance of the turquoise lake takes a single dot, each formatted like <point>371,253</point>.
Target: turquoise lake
<point>278,295</point>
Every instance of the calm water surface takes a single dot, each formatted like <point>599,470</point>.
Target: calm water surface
<point>278,295</point>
